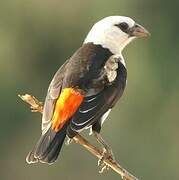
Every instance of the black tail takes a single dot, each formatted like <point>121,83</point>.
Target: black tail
<point>48,147</point>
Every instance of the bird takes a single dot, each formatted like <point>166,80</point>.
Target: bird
<point>86,87</point>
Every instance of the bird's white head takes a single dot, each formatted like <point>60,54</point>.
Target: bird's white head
<point>115,32</point>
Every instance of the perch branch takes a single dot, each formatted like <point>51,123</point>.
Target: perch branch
<point>37,106</point>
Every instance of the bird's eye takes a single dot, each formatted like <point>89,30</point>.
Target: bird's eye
<point>123,26</point>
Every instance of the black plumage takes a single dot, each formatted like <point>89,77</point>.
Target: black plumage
<point>84,71</point>
<point>93,107</point>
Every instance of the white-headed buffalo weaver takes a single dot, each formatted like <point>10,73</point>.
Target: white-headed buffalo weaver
<point>86,87</point>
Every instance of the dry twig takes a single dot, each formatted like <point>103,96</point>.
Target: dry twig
<point>37,106</point>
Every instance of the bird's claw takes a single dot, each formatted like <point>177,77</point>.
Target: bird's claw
<point>69,141</point>
<point>107,154</point>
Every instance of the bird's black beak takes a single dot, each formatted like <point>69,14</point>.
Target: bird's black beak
<point>138,31</point>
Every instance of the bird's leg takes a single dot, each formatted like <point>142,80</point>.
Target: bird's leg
<point>106,147</point>
<point>107,152</point>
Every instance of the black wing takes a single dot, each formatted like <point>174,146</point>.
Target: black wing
<point>94,107</point>
<point>79,71</point>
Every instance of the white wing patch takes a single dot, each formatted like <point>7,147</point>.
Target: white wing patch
<point>80,124</point>
<point>89,100</point>
<point>85,111</point>
<point>105,115</point>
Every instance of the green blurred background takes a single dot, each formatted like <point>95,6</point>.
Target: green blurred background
<point>37,36</point>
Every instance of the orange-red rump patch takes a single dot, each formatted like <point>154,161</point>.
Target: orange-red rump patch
<point>66,105</point>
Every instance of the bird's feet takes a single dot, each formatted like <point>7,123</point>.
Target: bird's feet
<point>69,141</point>
<point>107,154</point>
